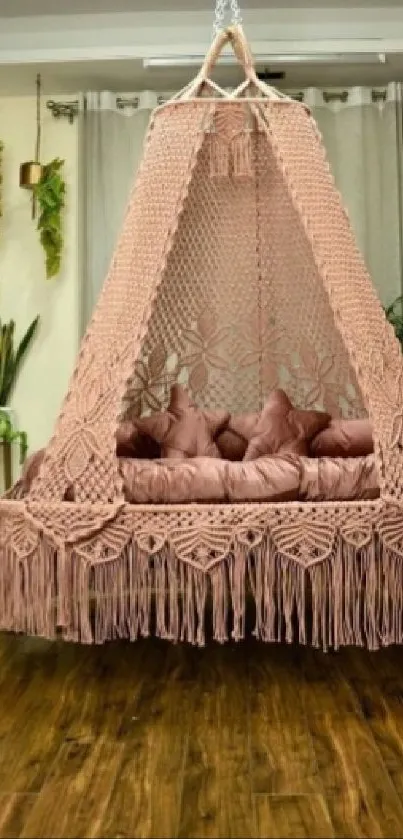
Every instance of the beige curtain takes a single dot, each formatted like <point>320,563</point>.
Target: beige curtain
<point>113,132</point>
<point>361,129</point>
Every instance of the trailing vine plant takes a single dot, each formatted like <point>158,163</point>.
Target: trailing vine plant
<point>394,314</point>
<point>50,194</point>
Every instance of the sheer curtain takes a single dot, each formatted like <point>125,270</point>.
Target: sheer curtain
<point>362,133</point>
<point>114,128</point>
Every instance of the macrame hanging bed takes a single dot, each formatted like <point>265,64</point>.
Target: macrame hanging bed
<point>236,275</point>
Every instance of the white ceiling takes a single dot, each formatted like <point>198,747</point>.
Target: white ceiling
<point>19,8</point>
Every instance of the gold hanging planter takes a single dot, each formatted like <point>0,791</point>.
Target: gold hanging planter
<point>30,174</point>
<point>32,170</point>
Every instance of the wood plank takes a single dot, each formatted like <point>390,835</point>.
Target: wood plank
<point>381,703</point>
<point>79,704</point>
<point>146,796</point>
<point>324,686</point>
<point>14,811</point>
<point>43,712</point>
<point>282,756</point>
<point>361,798</point>
<point>216,799</point>
<point>293,817</point>
<point>75,796</point>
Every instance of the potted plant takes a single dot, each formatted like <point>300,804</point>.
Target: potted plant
<point>11,358</point>
<point>394,314</point>
<point>49,195</point>
<point>9,435</point>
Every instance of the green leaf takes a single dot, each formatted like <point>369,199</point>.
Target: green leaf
<point>394,314</point>
<point>11,359</point>
<point>50,194</point>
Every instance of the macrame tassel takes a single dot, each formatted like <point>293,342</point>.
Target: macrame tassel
<point>255,579</point>
<point>219,157</point>
<point>140,584</point>
<point>193,584</point>
<point>28,591</point>
<point>63,586</point>
<point>372,592</point>
<point>392,600</point>
<point>220,591</point>
<point>237,580</point>
<point>241,148</point>
<point>271,629</point>
<point>322,604</point>
<point>80,589</point>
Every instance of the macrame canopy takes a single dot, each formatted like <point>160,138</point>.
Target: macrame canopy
<point>236,271</point>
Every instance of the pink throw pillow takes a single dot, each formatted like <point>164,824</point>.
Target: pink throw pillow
<point>234,438</point>
<point>282,428</point>
<point>130,443</point>
<point>344,438</point>
<point>184,430</point>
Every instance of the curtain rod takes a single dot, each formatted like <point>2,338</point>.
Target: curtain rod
<point>69,110</point>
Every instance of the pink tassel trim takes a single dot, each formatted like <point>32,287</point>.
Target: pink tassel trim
<point>355,596</point>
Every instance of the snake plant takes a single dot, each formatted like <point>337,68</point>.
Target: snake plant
<point>9,434</point>
<point>11,356</point>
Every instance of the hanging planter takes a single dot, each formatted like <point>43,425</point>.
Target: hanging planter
<point>31,171</point>
<point>30,174</point>
<point>48,191</point>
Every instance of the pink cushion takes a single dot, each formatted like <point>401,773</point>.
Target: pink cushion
<point>339,479</point>
<point>344,438</point>
<point>207,479</point>
<point>184,430</point>
<point>282,428</point>
<point>234,438</point>
<point>130,443</point>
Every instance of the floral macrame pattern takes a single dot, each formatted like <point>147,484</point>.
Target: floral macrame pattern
<point>92,407</point>
<point>149,389</point>
<point>262,348</point>
<point>320,379</point>
<point>204,349</point>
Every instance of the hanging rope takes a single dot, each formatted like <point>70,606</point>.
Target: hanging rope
<point>221,7</point>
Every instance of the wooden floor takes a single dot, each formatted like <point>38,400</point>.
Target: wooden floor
<point>152,740</point>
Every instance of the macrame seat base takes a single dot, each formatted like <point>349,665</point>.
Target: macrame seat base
<point>236,272</point>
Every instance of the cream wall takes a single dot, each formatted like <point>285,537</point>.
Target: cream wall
<point>24,291</point>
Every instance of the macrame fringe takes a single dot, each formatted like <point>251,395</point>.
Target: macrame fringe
<point>354,597</point>
<point>234,156</point>
<point>241,147</point>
